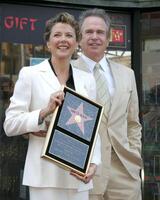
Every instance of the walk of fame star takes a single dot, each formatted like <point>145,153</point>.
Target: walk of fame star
<point>78,117</point>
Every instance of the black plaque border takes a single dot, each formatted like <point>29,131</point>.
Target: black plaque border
<point>53,126</point>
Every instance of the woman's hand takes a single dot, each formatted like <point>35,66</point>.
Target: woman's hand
<point>54,101</point>
<point>86,177</point>
<point>39,133</point>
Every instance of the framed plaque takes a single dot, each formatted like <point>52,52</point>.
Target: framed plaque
<point>72,132</point>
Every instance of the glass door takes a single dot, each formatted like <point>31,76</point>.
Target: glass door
<point>151,103</point>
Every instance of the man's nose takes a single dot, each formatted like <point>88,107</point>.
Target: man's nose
<point>94,35</point>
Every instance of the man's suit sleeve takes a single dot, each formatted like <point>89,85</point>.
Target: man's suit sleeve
<point>134,126</point>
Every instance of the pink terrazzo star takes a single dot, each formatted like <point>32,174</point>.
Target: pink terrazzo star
<point>78,117</point>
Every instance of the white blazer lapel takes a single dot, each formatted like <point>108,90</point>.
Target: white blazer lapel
<point>47,74</point>
<point>79,84</point>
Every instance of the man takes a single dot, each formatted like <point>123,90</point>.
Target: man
<point>120,130</point>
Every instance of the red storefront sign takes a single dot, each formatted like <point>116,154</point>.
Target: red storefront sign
<point>25,24</point>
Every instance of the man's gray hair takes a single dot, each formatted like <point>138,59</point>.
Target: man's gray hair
<point>95,12</point>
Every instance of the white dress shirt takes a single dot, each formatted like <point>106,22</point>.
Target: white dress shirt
<point>104,68</point>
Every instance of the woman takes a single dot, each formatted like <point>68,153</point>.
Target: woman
<point>36,95</point>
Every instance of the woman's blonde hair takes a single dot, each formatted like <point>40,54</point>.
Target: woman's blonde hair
<point>65,18</point>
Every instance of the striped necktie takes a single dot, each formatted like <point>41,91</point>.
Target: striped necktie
<point>103,96</point>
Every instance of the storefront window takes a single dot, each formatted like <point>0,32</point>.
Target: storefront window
<point>13,150</point>
<point>121,57</point>
<point>151,104</point>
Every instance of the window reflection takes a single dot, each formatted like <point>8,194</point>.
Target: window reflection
<point>151,103</point>
<point>13,149</point>
<point>122,57</point>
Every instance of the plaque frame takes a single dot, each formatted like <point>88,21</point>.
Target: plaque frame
<point>60,140</point>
